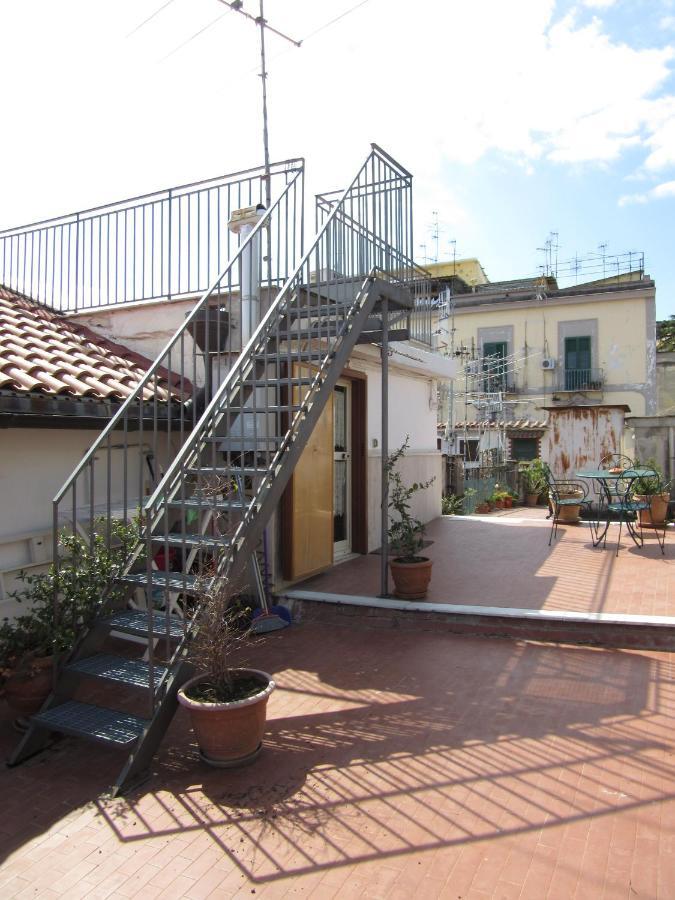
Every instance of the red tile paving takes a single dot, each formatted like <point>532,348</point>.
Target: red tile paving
<point>504,560</point>
<point>396,765</point>
<point>44,351</point>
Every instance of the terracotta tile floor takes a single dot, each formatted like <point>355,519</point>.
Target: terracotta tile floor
<point>396,765</point>
<point>504,560</point>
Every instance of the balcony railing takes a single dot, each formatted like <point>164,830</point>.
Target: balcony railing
<point>163,245</point>
<point>581,380</point>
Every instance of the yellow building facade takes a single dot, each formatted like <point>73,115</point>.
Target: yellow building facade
<point>528,350</point>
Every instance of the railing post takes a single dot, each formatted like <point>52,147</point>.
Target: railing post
<point>384,520</point>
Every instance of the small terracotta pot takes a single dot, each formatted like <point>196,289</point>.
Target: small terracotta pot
<point>25,692</point>
<point>658,509</point>
<point>229,734</point>
<point>499,504</point>
<point>531,499</point>
<point>482,509</point>
<point>411,579</point>
<point>508,502</point>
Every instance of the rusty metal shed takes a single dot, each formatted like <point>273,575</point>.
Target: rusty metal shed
<point>579,436</point>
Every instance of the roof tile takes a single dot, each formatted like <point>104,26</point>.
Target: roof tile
<point>43,350</point>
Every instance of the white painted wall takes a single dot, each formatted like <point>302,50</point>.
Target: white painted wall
<point>412,411</point>
<point>34,464</point>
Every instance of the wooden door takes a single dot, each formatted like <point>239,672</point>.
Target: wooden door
<point>309,504</point>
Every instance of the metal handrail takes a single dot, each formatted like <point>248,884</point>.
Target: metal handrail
<point>262,331</point>
<point>152,371</point>
<point>165,244</point>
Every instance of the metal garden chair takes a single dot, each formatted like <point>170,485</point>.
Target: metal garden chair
<point>564,493</point>
<point>622,501</point>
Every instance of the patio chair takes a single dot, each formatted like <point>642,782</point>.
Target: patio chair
<point>624,503</point>
<point>616,461</point>
<point>562,494</point>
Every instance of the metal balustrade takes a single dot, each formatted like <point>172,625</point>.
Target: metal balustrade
<point>162,245</point>
<point>581,380</point>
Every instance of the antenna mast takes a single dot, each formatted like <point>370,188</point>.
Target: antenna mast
<point>261,22</point>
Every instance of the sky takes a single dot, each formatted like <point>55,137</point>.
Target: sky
<point>516,119</point>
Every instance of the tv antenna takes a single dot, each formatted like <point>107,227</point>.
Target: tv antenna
<point>262,23</point>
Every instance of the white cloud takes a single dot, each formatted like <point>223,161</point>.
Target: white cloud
<point>598,4</point>
<point>101,115</point>
<point>659,192</point>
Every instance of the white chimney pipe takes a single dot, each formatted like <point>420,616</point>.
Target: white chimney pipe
<point>243,222</point>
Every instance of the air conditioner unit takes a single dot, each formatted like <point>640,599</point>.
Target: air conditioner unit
<point>548,363</point>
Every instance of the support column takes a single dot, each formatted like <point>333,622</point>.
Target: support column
<point>384,526</point>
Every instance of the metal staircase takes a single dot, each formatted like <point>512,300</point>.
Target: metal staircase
<point>222,457</point>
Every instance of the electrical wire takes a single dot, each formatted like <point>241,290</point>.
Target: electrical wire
<point>196,35</point>
<point>150,17</point>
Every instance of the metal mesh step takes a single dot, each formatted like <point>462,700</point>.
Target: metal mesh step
<point>175,581</point>
<point>207,502</point>
<point>191,540</point>
<point>95,723</point>
<point>132,672</point>
<point>135,621</point>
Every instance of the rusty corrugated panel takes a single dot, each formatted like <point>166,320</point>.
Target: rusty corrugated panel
<point>578,437</point>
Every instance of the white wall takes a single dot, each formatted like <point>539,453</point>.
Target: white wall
<point>412,411</point>
<point>34,464</point>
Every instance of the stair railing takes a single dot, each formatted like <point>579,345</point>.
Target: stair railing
<point>129,458</point>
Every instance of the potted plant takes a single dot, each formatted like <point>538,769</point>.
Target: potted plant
<point>410,571</point>
<point>533,484</point>
<point>227,703</point>
<point>29,642</point>
<point>652,489</point>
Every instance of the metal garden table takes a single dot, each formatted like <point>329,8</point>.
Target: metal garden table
<point>607,481</point>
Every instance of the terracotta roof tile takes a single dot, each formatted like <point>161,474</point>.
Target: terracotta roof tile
<point>512,425</point>
<point>43,350</point>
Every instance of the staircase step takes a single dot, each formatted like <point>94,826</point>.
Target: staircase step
<point>277,382</point>
<point>135,621</point>
<point>231,471</point>
<point>237,441</point>
<point>268,409</point>
<point>95,723</point>
<point>191,540</point>
<point>209,502</point>
<point>175,581</point>
<point>132,672</point>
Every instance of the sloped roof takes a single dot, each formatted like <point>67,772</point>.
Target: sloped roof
<point>43,351</point>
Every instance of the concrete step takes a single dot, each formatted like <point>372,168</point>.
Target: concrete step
<point>618,630</point>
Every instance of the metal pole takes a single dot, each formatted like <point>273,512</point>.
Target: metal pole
<point>384,526</point>
<point>263,75</point>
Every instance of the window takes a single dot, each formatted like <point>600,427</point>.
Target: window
<point>578,374</point>
<point>469,450</point>
<point>494,366</point>
<point>523,449</point>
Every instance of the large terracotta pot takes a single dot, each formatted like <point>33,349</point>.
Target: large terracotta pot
<point>658,509</point>
<point>229,734</point>
<point>569,515</point>
<point>411,580</point>
<point>531,499</point>
<point>26,691</point>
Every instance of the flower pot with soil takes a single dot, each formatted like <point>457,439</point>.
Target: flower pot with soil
<point>652,489</point>
<point>227,703</point>
<point>410,571</point>
<point>533,483</point>
<point>229,732</point>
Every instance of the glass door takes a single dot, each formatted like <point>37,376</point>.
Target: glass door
<point>342,470</point>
